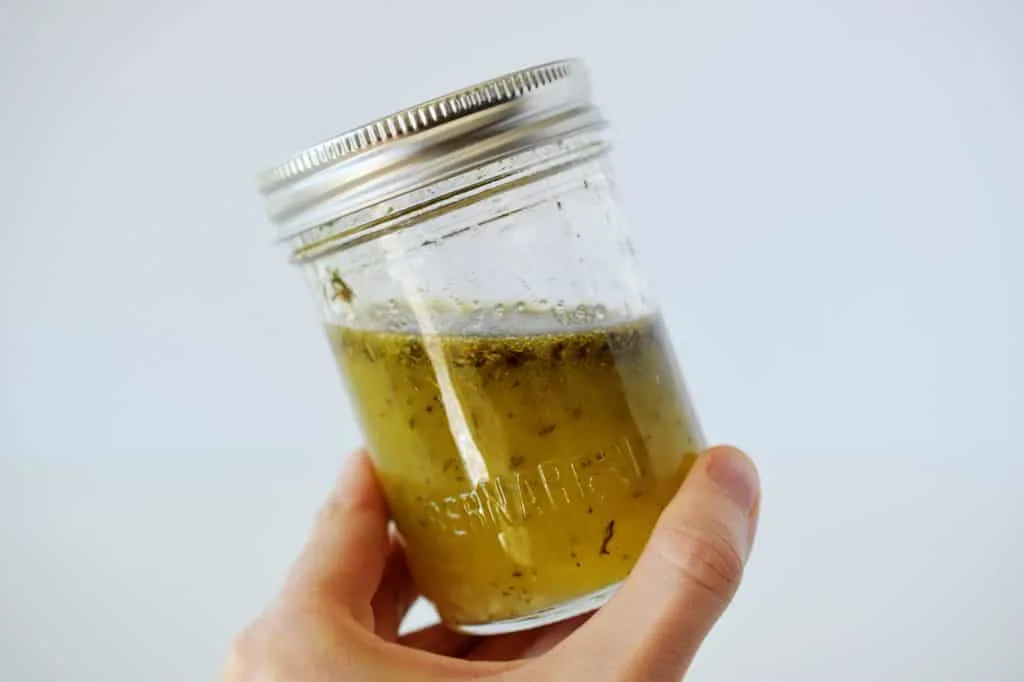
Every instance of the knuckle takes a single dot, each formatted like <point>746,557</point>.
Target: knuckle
<point>343,509</point>
<point>331,511</point>
<point>707,559</point>
<point>237,664</point>
<point>250,658</point>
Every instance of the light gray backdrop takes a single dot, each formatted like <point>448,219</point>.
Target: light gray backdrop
<point>828,196</point>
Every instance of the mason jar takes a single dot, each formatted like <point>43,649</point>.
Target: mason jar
<point>513,379</point>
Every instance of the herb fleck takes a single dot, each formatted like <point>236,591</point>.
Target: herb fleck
<point>342,291</point>
<point>457,232</point>
<point>609,533</point>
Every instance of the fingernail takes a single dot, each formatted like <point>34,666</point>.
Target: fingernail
<point>735,475</point>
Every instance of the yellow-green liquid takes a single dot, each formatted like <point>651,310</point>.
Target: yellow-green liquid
<point>522,470</point>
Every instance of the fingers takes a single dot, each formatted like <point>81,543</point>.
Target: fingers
<point>527,644</point>
<point>395,595</point>
<point>438,639</point>
<point>684,579</point>
<point>343,561</point>
<point>514,646</point>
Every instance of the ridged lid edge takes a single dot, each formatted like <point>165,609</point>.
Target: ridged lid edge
<point>425,116</point>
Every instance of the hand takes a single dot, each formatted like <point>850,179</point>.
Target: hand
<point>337,618</point>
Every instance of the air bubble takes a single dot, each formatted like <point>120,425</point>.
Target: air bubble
<point>499,311</point>
<point>392,315</point>
<point>581,313</point>
<point>521,307</point>
<point>600,312</point>
<point>560,313</point>
<point>478,319</point>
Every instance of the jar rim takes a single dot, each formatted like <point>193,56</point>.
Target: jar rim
<point>461,192</point>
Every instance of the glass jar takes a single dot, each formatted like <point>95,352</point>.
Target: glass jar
<point>513,379</point>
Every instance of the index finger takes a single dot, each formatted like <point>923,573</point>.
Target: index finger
<point>343,560</point>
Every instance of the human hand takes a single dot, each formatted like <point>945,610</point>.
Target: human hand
<point>337,617</point>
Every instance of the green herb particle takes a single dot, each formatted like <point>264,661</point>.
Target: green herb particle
<point>609,533</point>
<point>340,288</point>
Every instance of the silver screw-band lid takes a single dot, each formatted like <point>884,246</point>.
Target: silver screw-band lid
<point>415,147</point>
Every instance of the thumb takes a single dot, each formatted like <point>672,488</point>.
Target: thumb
<point>682,582</point>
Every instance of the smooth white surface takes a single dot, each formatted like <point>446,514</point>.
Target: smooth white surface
<point>827,195</point>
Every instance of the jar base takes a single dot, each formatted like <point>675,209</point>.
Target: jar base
<point>552,614</point>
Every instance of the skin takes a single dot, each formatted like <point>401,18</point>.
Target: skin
<point>338,615</point>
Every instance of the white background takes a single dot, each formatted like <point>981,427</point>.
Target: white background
<point>829,197</point>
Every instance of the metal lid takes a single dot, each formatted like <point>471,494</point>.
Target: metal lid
<point>415,147</point>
